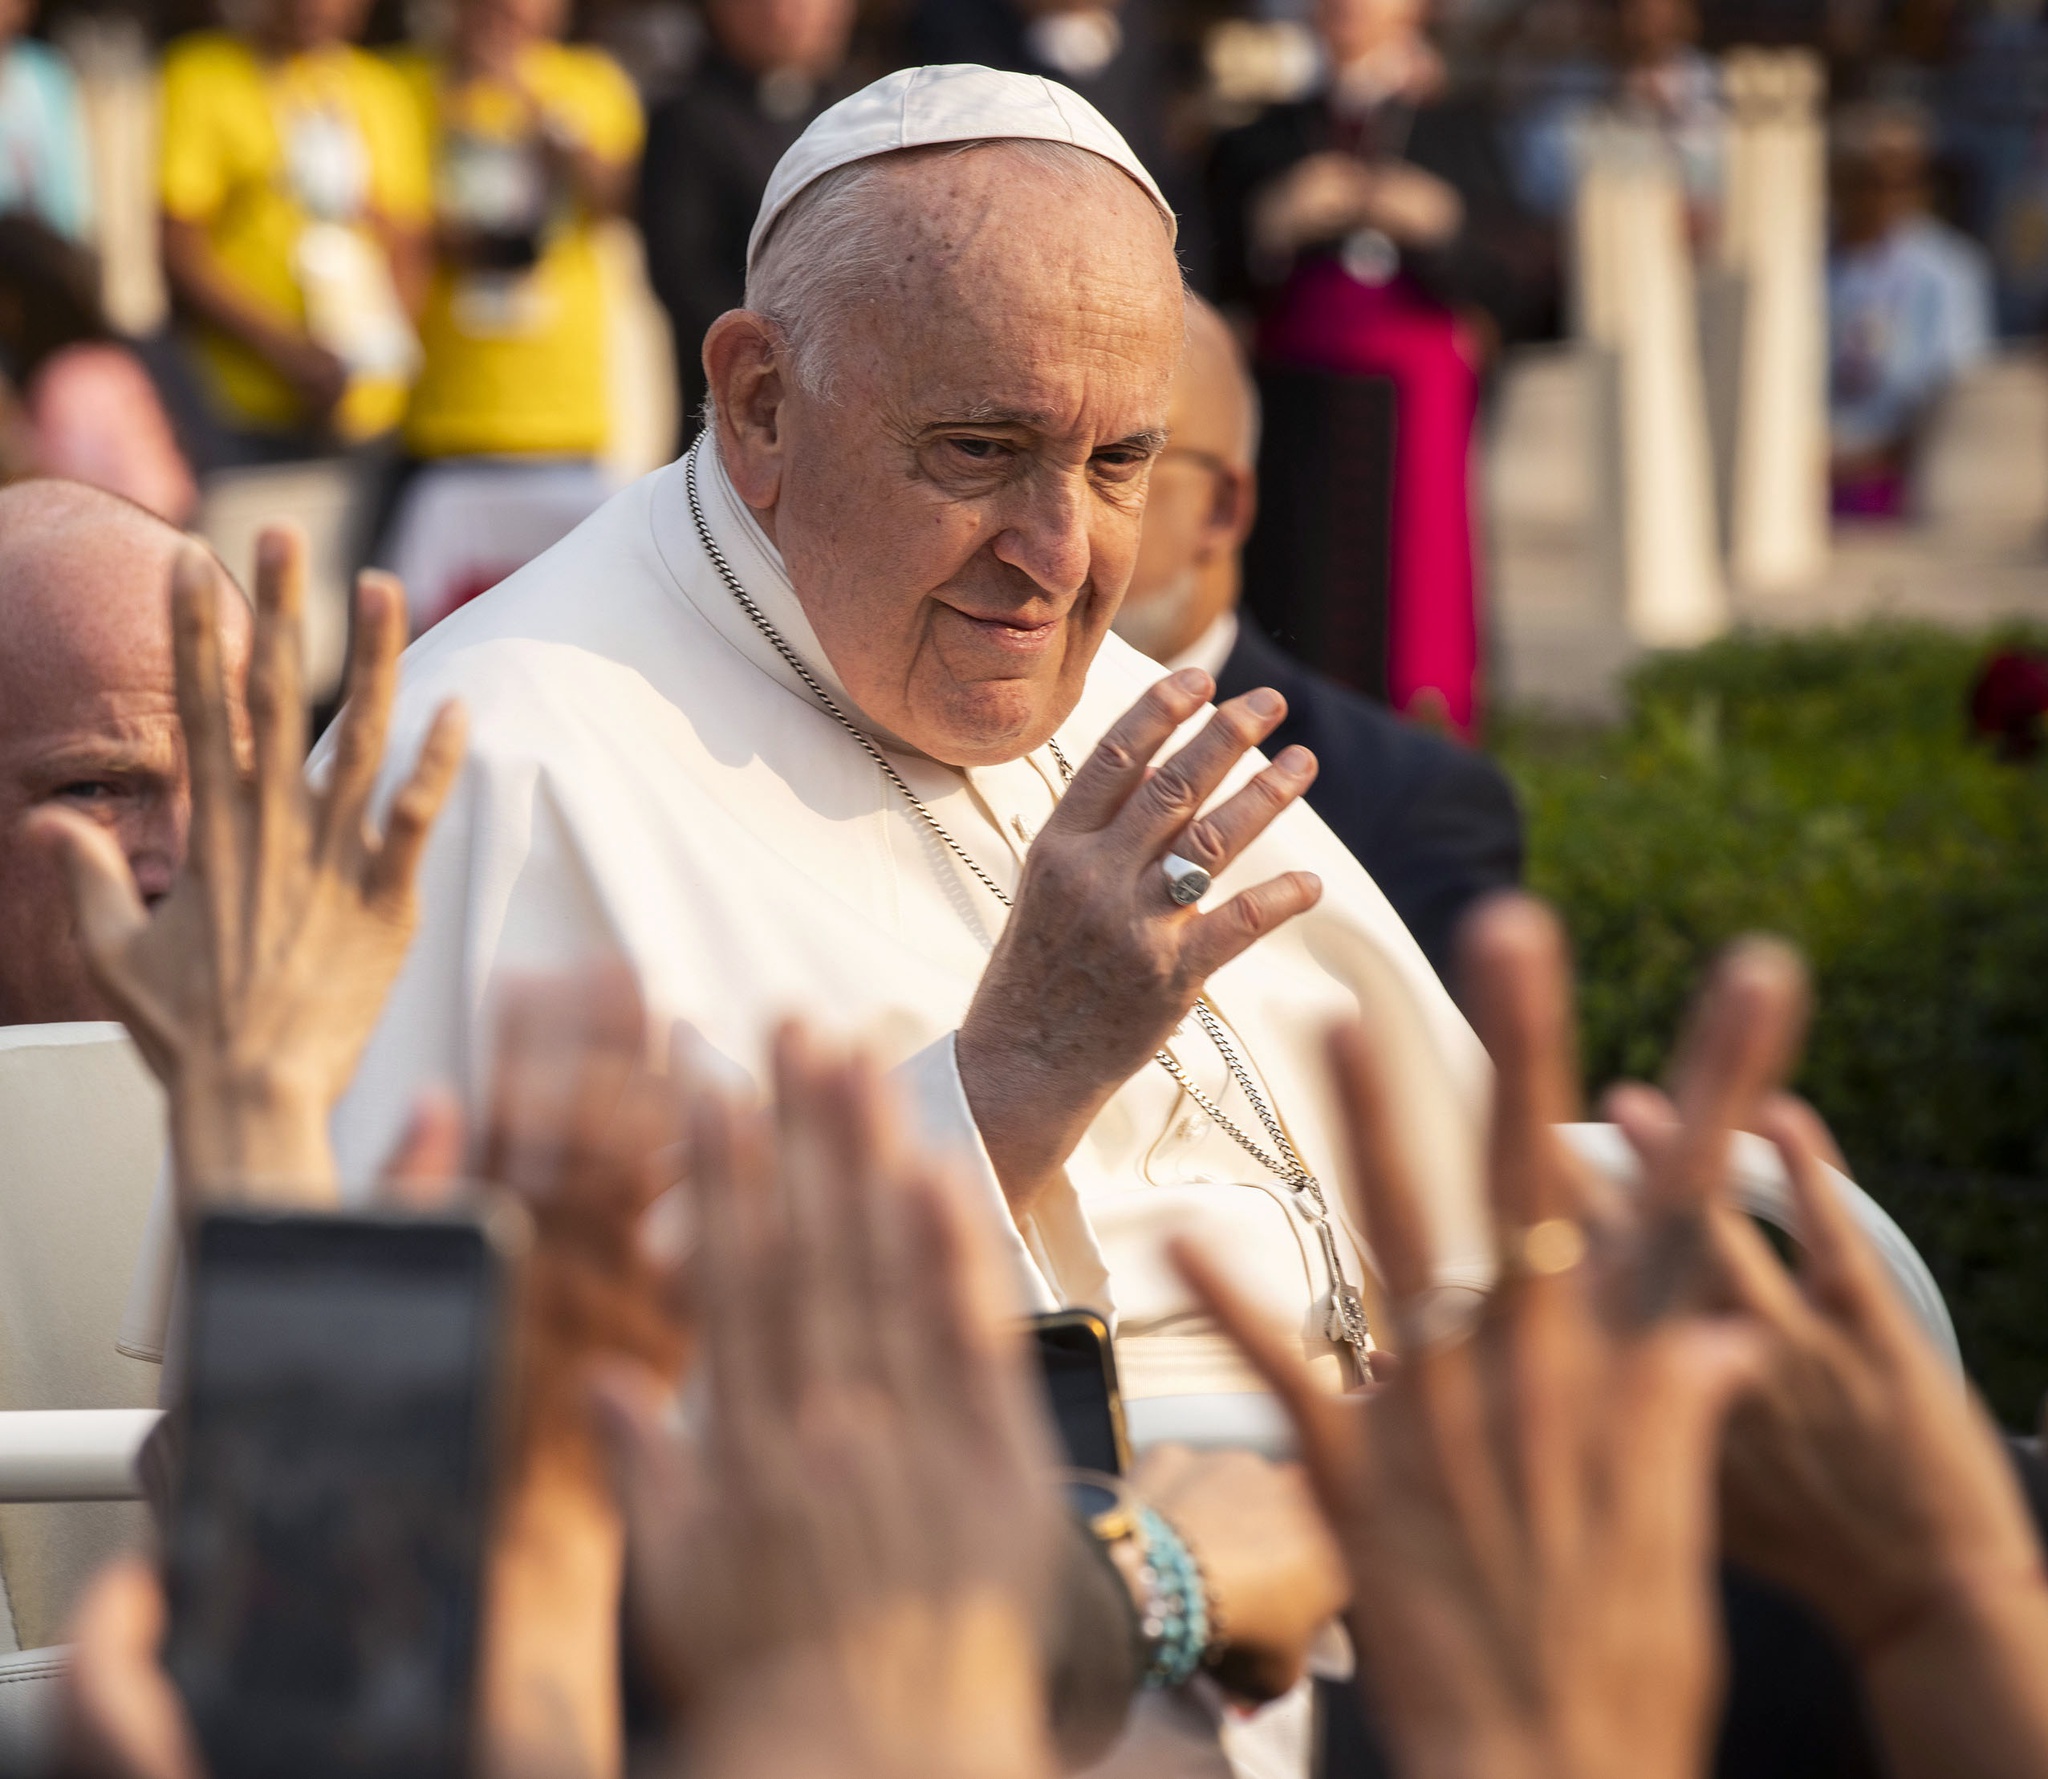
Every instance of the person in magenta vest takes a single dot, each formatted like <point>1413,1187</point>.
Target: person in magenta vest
<point>1372,229</point>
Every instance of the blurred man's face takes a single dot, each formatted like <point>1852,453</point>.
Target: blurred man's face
<point>492,32</point>
<point>15,17</point>
<point>314,24</point>
<point>1881,188</point>
<point>1651,30</point>
<point>1200,507</point>
<point>1353,29</point>
<point>88,719</point>
<point>761,35</point>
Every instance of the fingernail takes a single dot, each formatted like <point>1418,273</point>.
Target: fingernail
<point>1295,762</point>
<point>1193,681</point>
<point>1265,703</point>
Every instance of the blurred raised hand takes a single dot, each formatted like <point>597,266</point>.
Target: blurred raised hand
<point>1526,1506</point>
<point>846,1567</point>
<point>253,986</point>
<point>1863,1474</point>
<point>587,1136</point>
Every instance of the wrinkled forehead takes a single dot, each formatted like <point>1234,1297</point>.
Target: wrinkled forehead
<point>1002,287</point>
<point>85,610</point>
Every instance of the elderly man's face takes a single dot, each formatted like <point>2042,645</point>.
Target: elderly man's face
<point>960,516</point>
<point>88,718</point>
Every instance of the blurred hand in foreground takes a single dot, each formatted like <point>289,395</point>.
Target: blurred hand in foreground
<point>846,1571</point>
<point>252,988</point>
<point>1527,1506</point>
<point>586,1136</point>
<point>1273,1573</point>
<point>1863,1474</point>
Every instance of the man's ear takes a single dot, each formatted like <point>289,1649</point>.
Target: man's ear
<point>745,369</point>
<point>1233,506</point>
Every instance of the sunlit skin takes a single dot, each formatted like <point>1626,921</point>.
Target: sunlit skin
<point>960,514</point>
<point>87,719</point>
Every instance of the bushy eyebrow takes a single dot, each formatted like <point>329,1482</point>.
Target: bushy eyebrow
<point>1151,442</point>
<point>104,760</point>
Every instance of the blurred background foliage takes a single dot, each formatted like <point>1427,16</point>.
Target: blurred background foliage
<point>1828,787</point>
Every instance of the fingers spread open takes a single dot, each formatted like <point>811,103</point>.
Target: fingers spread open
<point>1389,1202</point>
<point>359,745</point>
<point>277,709</point>
<point>1518,984</point>
<point>1214,840</point>
<point>1843,1271</point>
<point>417,806</point>
<point>1159,809</point>
<point>108,907</point>
<point>214,843</point>
<point>1738,1045</point>
<point>1219,935</point>
<point>1117,767</point>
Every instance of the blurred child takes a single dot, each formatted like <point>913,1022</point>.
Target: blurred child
<point>1909,303</point>
<point>295,196</point>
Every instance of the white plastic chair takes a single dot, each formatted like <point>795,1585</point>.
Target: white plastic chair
<point>81,1145</point>
<point>1759,1187</point>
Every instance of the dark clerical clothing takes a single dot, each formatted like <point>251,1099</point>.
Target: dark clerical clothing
<point>1434,823</point>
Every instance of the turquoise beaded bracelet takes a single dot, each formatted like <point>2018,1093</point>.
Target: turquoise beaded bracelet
<point>1176,1619</point>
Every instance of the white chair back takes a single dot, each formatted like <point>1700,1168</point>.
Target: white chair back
<point>81,1145</point>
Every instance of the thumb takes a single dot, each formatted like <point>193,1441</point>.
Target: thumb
<point>107,905</point>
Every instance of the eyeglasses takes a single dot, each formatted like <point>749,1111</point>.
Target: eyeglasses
<point>1215,465</point>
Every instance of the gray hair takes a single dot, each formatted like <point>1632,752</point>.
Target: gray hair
<point>825,255</point>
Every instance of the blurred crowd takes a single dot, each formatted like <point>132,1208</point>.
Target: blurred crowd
<point>921,702</point>
<point>391,244</point>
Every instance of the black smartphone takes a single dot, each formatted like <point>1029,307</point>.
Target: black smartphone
<point>1078,1363</point>
<point>324,1559</point>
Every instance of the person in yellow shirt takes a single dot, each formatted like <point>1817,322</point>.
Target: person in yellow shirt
<point>533,141</point>
<point>296,196</point>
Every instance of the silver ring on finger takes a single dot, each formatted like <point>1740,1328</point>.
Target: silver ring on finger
<point>1186,882</point>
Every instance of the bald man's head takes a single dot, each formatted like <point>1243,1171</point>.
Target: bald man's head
<point>1202,501</point>
<point>88,717</point>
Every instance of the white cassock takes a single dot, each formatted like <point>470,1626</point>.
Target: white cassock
<point>647,778</point>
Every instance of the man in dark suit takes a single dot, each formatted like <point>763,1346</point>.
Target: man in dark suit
<point>1434,822</point>
<point>766,72</point>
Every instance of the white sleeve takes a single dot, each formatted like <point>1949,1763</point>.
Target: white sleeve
<point>937,1104</point>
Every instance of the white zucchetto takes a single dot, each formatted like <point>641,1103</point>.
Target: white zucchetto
<point>956,102</point>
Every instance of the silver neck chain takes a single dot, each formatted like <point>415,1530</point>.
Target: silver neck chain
<point>1345,1324</point>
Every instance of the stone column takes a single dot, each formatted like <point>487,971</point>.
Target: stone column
<point>1774,236</point>
<point>1637,309</point>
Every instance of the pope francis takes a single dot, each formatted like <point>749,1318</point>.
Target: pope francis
<point>826,717</point>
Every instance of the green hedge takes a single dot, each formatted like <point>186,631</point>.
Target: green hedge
<point>1826,787</point>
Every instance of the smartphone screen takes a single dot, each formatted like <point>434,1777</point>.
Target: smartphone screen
<point>1079,1367</point>
<point>326,1546</point>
